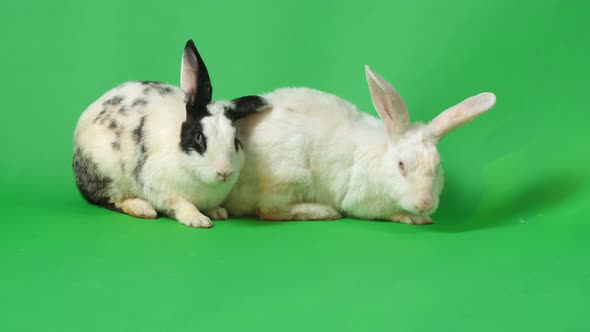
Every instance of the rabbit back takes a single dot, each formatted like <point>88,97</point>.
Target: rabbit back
<point>300,150</point>
<point>118,133</point>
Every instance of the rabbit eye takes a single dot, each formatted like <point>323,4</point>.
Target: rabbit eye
<point>199,138</point>
<point>401,165</point>
<point>201,142</point>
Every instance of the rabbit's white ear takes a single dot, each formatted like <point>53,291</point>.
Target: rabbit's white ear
<point>194,78</point>
<point>461,113</point>
<point>388,103</point>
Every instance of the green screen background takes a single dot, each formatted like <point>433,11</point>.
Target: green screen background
<point>510,247</point>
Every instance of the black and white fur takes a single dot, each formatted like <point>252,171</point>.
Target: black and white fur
<point>145,147</point>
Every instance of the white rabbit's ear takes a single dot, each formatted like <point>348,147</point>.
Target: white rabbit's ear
<point>388,103</point>
<point>461,113</point>
<point>194,79</point>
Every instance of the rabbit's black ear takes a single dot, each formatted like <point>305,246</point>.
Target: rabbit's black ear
<point>194,80</point>
<point>243,106</point>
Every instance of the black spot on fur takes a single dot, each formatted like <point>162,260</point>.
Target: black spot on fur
<point>243,106</point>
<point>138,132</point>
<point>138,137</point>
<point>139,102</point>
<point>91,183</point>
<point>113,125</point>
<point>117,142</point>
<point>161,87</point>
<point>123,110</point>
<point>114,101</point>
<point>139,167</point>
<point>192,137</point>
<point>105,118</point>
<point>164,90</point>
<point>100,115</point>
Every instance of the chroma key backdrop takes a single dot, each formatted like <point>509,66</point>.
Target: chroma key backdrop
<point>509,250</point>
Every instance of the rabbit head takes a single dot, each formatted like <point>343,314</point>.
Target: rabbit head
<point>208,139</point>
<point>412,159</point>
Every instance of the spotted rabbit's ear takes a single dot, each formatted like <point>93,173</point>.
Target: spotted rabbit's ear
<point>244,106</point>
<point>389,104</point>
<point>461,113</point>
<point>194,81</point>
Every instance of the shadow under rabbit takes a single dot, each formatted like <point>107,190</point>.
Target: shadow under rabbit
<point>543,193</point>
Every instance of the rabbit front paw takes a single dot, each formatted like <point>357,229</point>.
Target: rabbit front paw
<point>199,221</point>
<point>411,219</point>
<point>217,213</point>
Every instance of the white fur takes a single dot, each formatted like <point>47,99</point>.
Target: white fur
<point>316,156</point>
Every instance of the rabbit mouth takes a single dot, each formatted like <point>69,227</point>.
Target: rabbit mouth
<point>224,176</point>
<point>423,209</point>
<point>426,212</point>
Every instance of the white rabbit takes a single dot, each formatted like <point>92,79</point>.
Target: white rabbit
<point>145,147</point>
<point>315,156</point>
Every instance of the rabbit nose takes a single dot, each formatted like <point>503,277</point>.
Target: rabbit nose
<point>223,176</point>
<point>424,204</point>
